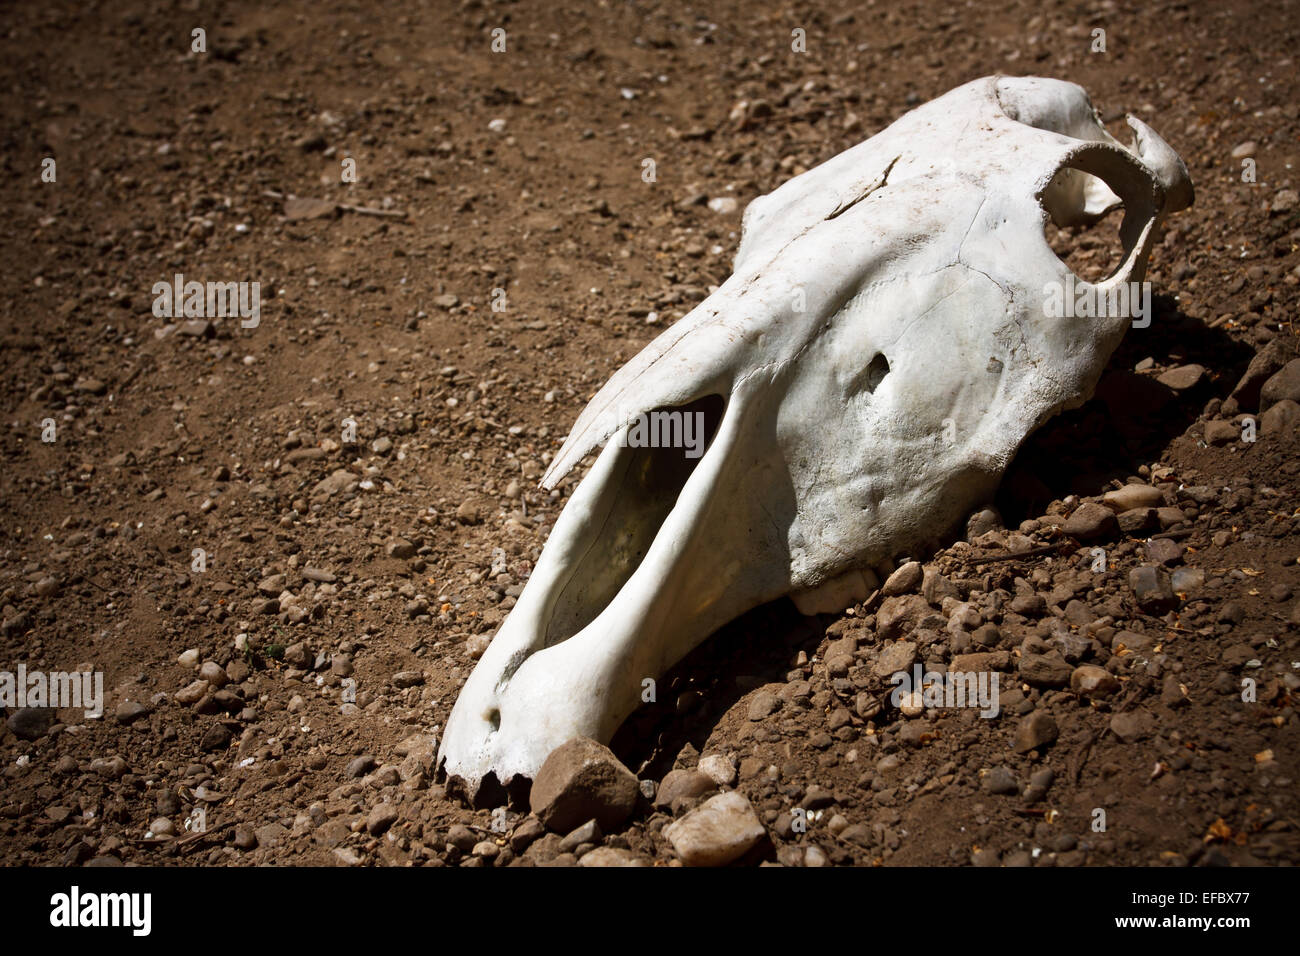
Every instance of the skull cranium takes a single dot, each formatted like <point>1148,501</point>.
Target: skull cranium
<point>863,378</point>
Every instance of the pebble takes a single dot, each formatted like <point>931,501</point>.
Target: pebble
<point>31,723</point>
<point>1280,419</point>
<point>1184,378</point>
<point>1035,731</point>
<point>1090,680</point>
<point>1133,496</point>
<point>1092,522</point>
<point>719,831</point>
<point>1132,725</point>
<point>1284,386</point>
<point>581,780</point>
<point>399,548</point>
<point>612,856</point>
<point>905,580</point>
<point>462,838</point>
<point>1164,551</point>
<point>763,704</point>
<point>129,711</point>
<point>1152,589</point>
<point>359,766</point>
<point>381,818</point>
<point>680,785</point>
<point>721,770</point>
<point>589,832</point>
<point>1045,670</point>
<point>896,657</point>
<point>214,674</point>
<point>110,767</point>
<point>1000,780</point>
<point>1219,432</point>
<point>217,737</point>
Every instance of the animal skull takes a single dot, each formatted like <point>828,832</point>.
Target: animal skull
<point>864,378</point>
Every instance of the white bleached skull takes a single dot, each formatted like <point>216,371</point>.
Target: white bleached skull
<point>864,378</point>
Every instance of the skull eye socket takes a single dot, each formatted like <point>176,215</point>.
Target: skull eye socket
<point>1093,252</point>
<point>1077,202</point>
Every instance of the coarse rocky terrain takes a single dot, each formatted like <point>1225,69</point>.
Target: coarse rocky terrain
<point>285,546</point>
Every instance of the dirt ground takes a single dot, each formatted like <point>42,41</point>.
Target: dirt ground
<point>283,611</point>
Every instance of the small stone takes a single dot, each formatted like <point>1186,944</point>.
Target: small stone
<point>31,723</point>
<point>526,834</point>
<point>319,576</point>
<point>1152,589</point>
<point>582,780</point>
<point>271,585</point>
<point>381,818</point>
<point>680,785</point>
<point>1283,386</point>
<point>217,737</point>
<point>214,674</point>
<point>905,580</point>
<point>47,586</point>
<point>1133,496</point>
<point>1000,780</point>
<point>399,548</point>
<point>589,832</point>
<point>129,711</point>
<point>1045,670</point>
<point>982,522</point>
<point>1280,419</point>
<point>272,834</point>
<point>1187,580</point>
<point>1182,379</point>
<point>721,830</point>
<point>1164,551</point>
<point>1028,604</point>
<point>1089,680</point>
<point>111,767</point>
<point>189,658</point>
<point>462,838</point>
<point>1219,432</point>
<point>721,770</point>
<point>1092,522</point>
<point>197,328</point>
<point>1132,725</point>
<point>359,766</point>
<point>763,704</point>
<point>612,856</point>
<point>92,386</point>
<point>900,615</point>
<point>191,693</point>
<point>896,657</point>
<point>1035,731</point>
<point>162,827</point>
